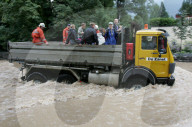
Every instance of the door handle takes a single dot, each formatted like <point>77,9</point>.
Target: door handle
<point>154,53</point>
<point>142,58</point>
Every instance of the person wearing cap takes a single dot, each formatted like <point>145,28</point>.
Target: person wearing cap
<point>111,35</point>
<point>97,29</point>
<point>90,36</point>
<point>100,37</point>
<point>38,35</point>
<point>65,33</point>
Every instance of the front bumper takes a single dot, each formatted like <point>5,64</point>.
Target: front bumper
<point>171,81</point>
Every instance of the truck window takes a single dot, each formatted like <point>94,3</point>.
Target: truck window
<point>162,45</point>
<point>149,42</point>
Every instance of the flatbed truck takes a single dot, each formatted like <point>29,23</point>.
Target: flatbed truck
<point>129,65</point>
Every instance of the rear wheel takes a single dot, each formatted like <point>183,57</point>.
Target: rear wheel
<point>67,79</point>
<point>136,83</point>
<point>37,78</point>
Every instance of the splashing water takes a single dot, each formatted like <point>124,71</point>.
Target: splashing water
<point>51,104</point>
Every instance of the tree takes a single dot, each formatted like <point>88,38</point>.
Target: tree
<point>187,7</point>
<point>78,11</point>
<point>138,8</point>
<point>163,13</point>
<point>107,3</point>
<point>181,29</point>
<point>44,10</point>
<point>120,8</point>
<point>154,11</point>
<point>19,17</point>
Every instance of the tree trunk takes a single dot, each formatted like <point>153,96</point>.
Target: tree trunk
<point>181,45</point>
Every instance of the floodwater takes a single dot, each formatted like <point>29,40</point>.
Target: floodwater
<point>185,65</point>
<point>88,105</point>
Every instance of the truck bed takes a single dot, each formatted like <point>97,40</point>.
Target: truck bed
<point>57,53</point>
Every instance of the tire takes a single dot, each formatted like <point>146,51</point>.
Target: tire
<point>37,77</point>
<point>67,79</point>
<point>136,83</point>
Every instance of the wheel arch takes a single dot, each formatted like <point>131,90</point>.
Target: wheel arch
<point>56,69</point>
<point>70,72</point>
<point>139,71</point>
<point>38,76</point>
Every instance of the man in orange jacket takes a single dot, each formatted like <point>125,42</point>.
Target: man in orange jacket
<point>38,35</point>
<point>65,33</point>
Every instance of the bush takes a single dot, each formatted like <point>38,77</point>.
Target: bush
<point>187,49</point>
<point>163,22</point>
<point>174,50</point>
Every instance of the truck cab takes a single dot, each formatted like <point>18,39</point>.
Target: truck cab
<point>153,58</point>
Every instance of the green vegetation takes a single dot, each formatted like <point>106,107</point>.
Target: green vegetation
<point>160,17</point>
<point>163,22</point>
<point>181,30</point>
<point>187,7</point>
<point>18,18</point>
<point>163,13</point>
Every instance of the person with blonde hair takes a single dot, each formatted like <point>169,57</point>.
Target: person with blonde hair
<point>81,30</point>
<point>72,37</point>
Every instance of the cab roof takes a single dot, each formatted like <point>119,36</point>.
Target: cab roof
<point>149,32</point>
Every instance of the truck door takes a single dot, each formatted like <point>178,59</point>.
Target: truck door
<point>150,57</point>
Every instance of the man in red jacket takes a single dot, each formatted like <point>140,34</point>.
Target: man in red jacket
<point>38,35</point>
<point>65,33</point>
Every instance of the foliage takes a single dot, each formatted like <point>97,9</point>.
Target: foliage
<point>163,22</point>
<point>68,12</point>
<point>187,49</point>
<point>163,12</point>
<point>19,18</point>
<point>139,11</point>
<point>154,10</point>
<point>181,29</point>
<point>187,7</point>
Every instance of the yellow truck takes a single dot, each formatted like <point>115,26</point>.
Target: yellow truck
<point>129,65</point>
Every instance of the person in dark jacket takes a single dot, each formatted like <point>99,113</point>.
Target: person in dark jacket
<point>90,36</point>
<point>72,37</point>
<point>111,35</point>
<point>116,26</point>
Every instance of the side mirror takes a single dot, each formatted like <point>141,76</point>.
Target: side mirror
<point>162,45</point>
<point>163,51</point>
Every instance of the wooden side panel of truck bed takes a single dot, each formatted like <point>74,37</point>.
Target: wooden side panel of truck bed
<point>57,53</point>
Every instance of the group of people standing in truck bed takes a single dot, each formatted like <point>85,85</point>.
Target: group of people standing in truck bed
<point>89,36</point>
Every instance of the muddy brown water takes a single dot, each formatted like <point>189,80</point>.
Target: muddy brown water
<point>89,105</point>
<point>185,65</point>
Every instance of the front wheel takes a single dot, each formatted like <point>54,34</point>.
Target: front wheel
<point>136,83</point>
